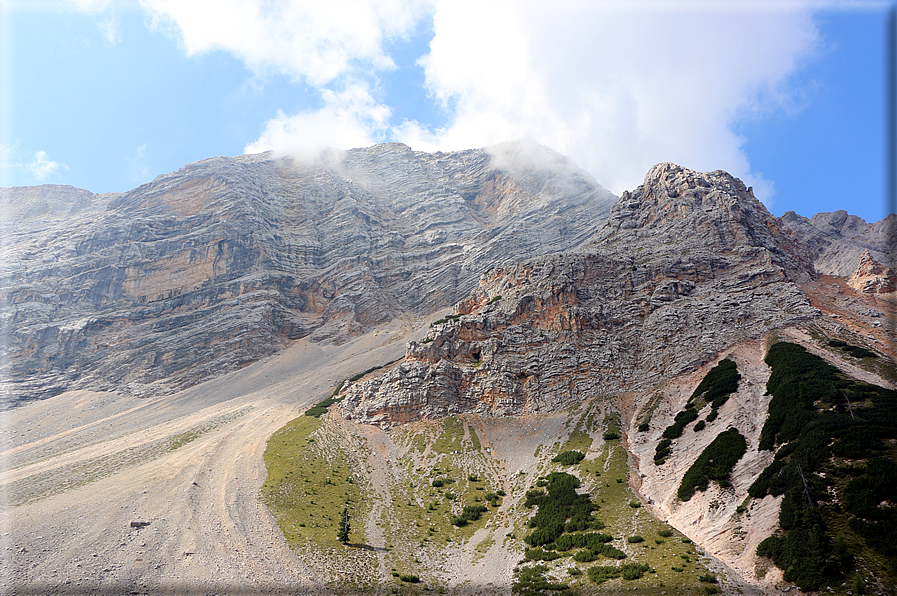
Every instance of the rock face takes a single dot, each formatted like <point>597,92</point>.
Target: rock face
<point>686,265</point>
<point>871,277</point>
<point>226,260</point>
<point>836,240</point>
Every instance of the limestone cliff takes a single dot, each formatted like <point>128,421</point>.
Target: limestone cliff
<point>836,240</point>
<point>228,259</point>
<point>687,264</point>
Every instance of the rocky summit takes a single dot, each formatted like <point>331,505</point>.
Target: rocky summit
<point>227,260</point>
<point>686,265</point>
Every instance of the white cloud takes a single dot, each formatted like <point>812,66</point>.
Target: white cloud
<point>41,166</point>
<point>617,87</point>
<point>110,29</point>
<point>316,41</point>
<point>349,118</point>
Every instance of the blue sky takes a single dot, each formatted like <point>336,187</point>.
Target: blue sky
<point>790,97</point>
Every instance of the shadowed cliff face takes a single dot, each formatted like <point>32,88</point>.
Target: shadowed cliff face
<point>686,265</point>
<point>226,260</point>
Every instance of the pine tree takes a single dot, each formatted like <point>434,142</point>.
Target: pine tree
<point>343,534</point>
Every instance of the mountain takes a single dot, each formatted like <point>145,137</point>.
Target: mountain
<point>492,341</point>
<point>835,241</point>
<point>227,260</point>
<point>687,265</point>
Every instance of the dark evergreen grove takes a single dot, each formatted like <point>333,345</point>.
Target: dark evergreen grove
<point>833,465</point>
<point>715,463</point>
<point>714,389</point>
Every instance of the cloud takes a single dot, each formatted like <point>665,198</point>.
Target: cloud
<point>617,87</point>
<point>40,166</point>
<point>349,118</point>
<point>110,29</point>
<point>313,41</point>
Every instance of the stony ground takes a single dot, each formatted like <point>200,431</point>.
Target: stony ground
<point>81,468</point>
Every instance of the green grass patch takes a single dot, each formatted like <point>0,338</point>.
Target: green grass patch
<point>309,484</point>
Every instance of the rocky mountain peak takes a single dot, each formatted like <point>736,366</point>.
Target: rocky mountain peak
<point>686,265</point>
<point>676,208</point>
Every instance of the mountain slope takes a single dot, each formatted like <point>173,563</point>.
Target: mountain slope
<point>229,259</point>
<point>686,265</point>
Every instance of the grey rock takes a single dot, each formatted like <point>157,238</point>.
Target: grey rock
<point>835,241</point>
<point>686,265</point>
<point>228,260</point>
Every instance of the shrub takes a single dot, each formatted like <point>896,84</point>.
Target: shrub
<point>537,554</point>
<point>631,571</point>
<point>602,573</point>
<point>438,483</point>
<point>611,435</point>
<point>708,578</point>
<point>644,427</point>
<point>411,579</point>
<point>568,458</point>
<point>634,539</point>
<point>714,463</point>
<point>712,416</point>
<point>473,478</point>
<point>635,504</point>
<point>721,381</point>
<point>699,426</point>
<point>574,571</point>
<point>531,581</point>
<point>666,532</point>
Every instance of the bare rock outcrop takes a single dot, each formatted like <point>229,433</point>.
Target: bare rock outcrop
<point>227,260</point>
<point>686,265</point>
<point>836,240</point>
<point>871,277</point>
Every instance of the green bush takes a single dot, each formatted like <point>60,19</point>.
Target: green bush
<point>708,578</point>
<point>666,533</point>
<point>602,573</point>
<point>438,483</point>
<point>473,478</point>
<point>719,383</point>
<point>699,425</point>
<point>631,571</point>
<point>611,435</point>
<point>531,581</point>
<point>537,554</point>
<point>568,458</point>
<point>411,579</point>
<point>715,463</point>
<point>634,539</point>
<point>468,514</point>
<point>644,427</point>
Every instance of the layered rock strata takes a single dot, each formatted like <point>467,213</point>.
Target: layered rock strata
<point>686,265</point>
<point>229,259</point>
<point>835,241</point>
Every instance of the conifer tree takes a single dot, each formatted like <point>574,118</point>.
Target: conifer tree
<point>343,534</point>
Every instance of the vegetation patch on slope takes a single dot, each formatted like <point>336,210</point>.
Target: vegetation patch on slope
<point>714,389</point>
<point>715,463</point>
<point>835,466</point>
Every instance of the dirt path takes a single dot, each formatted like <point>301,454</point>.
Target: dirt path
<point>189,464</point>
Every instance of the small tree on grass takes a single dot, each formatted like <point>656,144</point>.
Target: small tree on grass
<point>343,533</point>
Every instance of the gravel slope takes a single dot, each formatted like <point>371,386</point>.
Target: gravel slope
<point>188,465</point>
